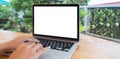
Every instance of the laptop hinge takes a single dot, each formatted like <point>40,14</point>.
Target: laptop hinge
<point>57,39</point>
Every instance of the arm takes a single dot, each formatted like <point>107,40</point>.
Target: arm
<point>3,47</point>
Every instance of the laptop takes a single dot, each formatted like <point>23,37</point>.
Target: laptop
<point>57,25</point>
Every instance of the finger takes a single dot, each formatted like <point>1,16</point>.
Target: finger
<point>41,51</point>
<point>29,44</point>
<point>36,47</point>
<point>34,39</point>
<point>31,40</point>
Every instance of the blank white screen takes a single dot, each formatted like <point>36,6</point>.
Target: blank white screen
<point>56,21</point>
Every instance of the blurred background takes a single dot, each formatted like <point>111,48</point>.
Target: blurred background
<point>16,15</point>
<point>101,18</point>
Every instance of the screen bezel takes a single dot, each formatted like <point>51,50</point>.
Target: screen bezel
<point>68,5</point>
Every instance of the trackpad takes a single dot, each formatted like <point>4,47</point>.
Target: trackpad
<point>54,54</point>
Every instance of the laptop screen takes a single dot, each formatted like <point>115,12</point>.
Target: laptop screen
<point>56,20</point>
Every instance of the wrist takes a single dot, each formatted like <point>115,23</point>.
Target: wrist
<point>3,47</point>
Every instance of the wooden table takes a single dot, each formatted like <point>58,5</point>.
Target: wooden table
<point>89,47</point>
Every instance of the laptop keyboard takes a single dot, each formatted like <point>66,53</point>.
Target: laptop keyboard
<point>57,45</point>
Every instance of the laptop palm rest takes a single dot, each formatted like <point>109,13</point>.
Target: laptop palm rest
<point>53,54</point>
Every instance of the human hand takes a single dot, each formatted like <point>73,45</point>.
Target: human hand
<point>13,44</point>
<point>28,51</point>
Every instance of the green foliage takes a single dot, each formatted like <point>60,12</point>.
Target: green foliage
<point>25,5</point>
<point>5,11</point>
<point>83,28</point>
<point>82,14</point>
<point>105,22</point>
<point>83,2</point>
<point>21,4</point>
<point>57,2</point>
<point>73,1</point>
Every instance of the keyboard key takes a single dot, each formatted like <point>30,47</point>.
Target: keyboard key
<point>57,45</point>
